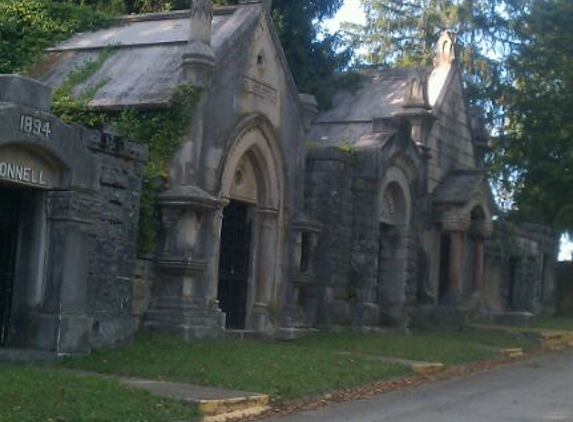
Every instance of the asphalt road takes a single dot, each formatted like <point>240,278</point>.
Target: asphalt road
<point>536,390</point>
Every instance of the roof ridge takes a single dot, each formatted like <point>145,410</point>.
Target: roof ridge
<point>175,14</point>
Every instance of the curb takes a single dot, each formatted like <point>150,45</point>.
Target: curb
<point>427,368</point>
<point>512,353</point>
<point>222,410</point>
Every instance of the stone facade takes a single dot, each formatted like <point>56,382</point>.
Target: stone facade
<point>278,218</point>
<point>67,286</point>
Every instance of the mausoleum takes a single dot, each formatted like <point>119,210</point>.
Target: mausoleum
<point>275,218</point>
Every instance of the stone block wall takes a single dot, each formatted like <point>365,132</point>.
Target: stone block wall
<point>522,265</point>
<point>363,274</point>
<point>328,190</point>
<point>112,264</point>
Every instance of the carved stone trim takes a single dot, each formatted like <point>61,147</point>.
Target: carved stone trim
<point>72,206</point>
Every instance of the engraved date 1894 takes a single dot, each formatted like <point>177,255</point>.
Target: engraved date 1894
<point>33,126</point>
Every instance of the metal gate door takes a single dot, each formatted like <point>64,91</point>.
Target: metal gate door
<point>234,260</point>
<point>10,204</point>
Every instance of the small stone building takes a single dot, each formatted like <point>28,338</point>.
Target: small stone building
<point>69,202</point>
<point>374,213</point>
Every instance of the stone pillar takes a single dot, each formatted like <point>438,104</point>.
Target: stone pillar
<point>212,245</point>
<point>180,299</point>
<point>478,264</point>
<point>62,324</point>
<point>266,269</point>
<point>455,269</point>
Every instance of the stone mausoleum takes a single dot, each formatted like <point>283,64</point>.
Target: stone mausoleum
<point>278,218</point>
<point>69,202</point>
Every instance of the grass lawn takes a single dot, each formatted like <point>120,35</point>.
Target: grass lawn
<point>553,323</point>
<point>445,346</point>
<point>50,395</point>
<point>282,370</point>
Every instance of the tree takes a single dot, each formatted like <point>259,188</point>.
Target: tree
<point>313,57</point>
<point>404,33</point>
<point>29,26</point>
<point>536,152</point>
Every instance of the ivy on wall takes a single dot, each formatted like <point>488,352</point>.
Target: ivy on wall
<point>29,26</point>
<point>161,130</point>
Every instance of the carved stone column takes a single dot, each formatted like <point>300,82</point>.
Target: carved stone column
<point>303,285</point>
<point>480,231</point>
<point>455,270</point>
<point>62,324</point>
<point>180,302</point>
<point>266,266</point>
<point>478,264</point>
<point>456,224</point>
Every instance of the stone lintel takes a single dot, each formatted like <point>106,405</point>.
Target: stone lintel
<point>189,197</point>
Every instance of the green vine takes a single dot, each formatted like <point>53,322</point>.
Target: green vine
<point>161,130</point>
<point>349,148</point>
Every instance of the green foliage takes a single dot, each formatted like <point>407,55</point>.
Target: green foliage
<point>162,130</point>
<point>32,394</point>
<point>349,148</point>
<point>446,346</point>
<point>536,153</point>
<point>313,60</point>
<point>399,33</point>
<point>280,369</point>
<point>29,26</point>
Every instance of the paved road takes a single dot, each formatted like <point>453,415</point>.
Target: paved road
<point>533,391</point>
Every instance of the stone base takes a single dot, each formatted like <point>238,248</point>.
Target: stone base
<point>262,319</point>
<point>291,333</point>
<point>65,334</point>
<point>365,315</point>
<point>515,319</point>
<point>112,331</point>
<point>339,312</point>
<point>393,316</point>
<point>443,316</point>
<point>185,320</point>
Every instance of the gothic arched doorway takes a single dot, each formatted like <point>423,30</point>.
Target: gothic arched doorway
<point>394,229</point>
<point>250,248</point>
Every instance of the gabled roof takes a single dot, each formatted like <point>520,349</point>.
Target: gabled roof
<point>145,65</point>
<point>459,186</point>
<point>378,94</point>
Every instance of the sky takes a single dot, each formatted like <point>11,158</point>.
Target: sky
<point>351,11</point>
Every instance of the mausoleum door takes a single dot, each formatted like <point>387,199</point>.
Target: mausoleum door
<point>10,207</point>
<point>234,262</point>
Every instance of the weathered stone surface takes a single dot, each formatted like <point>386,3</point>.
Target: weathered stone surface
<point>84,263</point>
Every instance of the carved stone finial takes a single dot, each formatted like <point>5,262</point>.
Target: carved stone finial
<point>446,49</point>
<point>202,9</point>
<point>416,90</point>
<point>199,59</point>
<point>310,109</point>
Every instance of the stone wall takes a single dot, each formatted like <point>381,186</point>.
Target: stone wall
<point>329,200</point>
<point>520,263</point>
<point>113,261</point>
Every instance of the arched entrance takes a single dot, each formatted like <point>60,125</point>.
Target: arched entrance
<point>252,194</point>
<point>394,231</point>
<point>26,176</point>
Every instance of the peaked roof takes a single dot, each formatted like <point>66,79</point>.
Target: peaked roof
<point>378,94</point>
<point>144,67</point>
<point>459,186</point>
